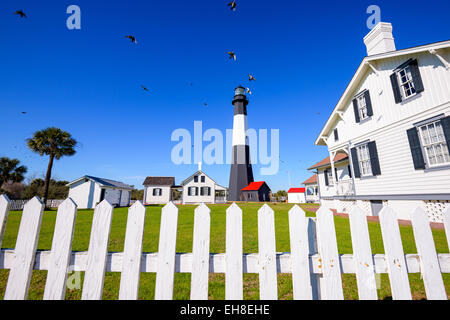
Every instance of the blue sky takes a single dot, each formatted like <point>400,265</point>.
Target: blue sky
<point>87,82</point>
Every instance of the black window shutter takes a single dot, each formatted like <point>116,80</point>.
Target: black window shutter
<point>374,161</point>
<point>445,123</point>
<point>368,103</point>
<point>336,135</point>
<point>327,183</point>
<point>416,149</point>
<point>336,174</point>
<point>202,191</point>
<point>209,191</point>
<point>395,88</point>
<point>355,108</point>
<point>189,191</point>
<point>355,163</point>
<point>417,79</point>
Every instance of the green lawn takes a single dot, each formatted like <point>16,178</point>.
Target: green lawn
<point>184,244</point>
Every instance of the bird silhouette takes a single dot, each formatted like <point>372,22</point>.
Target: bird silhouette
<point>248,91</point>
<point>251,78</point>
<point>232,5</point>
<point>205,104</point>
<point>23,112</point>
<point>143,87</point>
<point>132,38</point>
<point>232,55</point>
<point>21,13</point>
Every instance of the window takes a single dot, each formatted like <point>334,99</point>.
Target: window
<point>205,191</point>
<point>406,83</point>
<point>202,178</point>
<point>336,136</point>
<point>362,107</point>
<point>365,166</point>
<point>434,144</point>
<point>192,191</point>
<point>330,177</point>
<point>195,178</point>
<point>157,192</point>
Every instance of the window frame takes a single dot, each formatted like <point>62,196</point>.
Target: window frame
<point>409,81</point>
<point>158,192</point>
<point>362,97</point>
<point>364,160</point>
<point>424,146</point>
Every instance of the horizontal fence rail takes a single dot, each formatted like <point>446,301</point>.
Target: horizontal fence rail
<point>314,262</point>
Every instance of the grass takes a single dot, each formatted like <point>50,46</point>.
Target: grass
<point>217,245</point>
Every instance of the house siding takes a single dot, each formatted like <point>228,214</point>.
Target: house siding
<point>151,199</point>
<point>199,198</point>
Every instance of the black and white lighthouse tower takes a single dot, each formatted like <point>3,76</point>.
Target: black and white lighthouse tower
<point>241,173</point>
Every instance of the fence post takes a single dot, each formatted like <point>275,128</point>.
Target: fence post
<point>200,253</point>
<point>328,251</point>
<point>394,255</point>
<point>268,286</point>
<point>166,252</point>
<point>25,251</point>
<point>132,253</point>
<point>97,253</point>
<point>5,204</point>
<point>234,262</point>
<point>315,278</point>
<point>55,286</point>
<point>362,255</point>
<point>429,263</point>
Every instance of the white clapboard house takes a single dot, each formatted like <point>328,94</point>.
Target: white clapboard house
<point>200,188</point>
<point>158,190</point>
<point>312,189</point>
<point>88,191</point>
<point>389,134</point>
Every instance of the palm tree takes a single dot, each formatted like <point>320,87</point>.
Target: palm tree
<point>54,143</point>
<point>11,171</point>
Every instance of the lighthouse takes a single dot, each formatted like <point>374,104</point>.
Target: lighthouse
<point>241,174</point>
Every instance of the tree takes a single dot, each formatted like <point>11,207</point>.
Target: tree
<point>10,171</point>
<point>54,143</point>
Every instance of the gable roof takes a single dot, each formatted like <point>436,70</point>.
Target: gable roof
<point>255,186</point>
<point>339,157</point>
<point>311,180</point>
<point>359,74</point>
<point>198,172</point>
<point>104,182</point>
<point>297,190</point>
<point>159,181</point>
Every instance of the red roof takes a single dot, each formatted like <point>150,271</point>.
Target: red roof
<point>253,186</point>
<point>313,179</point>
<point>337,158</point>
<point>297,190</point>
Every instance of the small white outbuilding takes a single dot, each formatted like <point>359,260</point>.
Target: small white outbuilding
<point>296,195</point>
<point>88,191</point>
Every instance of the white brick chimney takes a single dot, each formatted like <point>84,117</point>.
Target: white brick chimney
<point>380,39</point>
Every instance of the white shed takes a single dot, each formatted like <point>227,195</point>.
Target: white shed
<point>88,191</point>
<point>296,195</point>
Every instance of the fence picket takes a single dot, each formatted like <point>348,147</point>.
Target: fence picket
<point>447,225</point>
<point>268,288</point>
<point>25,251</point>
<point>432,278</point>
<point>166,252</point>
<point>394,255</point>
<point>200,253</point>
<point>298,230</point>
<point>5,205</point>
<point>97,252</point>
<point>362,255</point>
<point>131,265</point>
<point>234,263</point>
<point>55,286</point>
<point>327,243</point>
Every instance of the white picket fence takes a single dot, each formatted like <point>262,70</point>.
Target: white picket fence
<point>314,262</point>
<point>16,205</point>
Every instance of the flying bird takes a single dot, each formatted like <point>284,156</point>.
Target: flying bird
<point>250,78</point>
<point>23,112</point>
<point>143,87</point>
<point>21,13</point>
<point>232,5</point>
<point>205,104</point>
<point>132,38</point>
<point>248,91</point>
<point>232,55</point>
